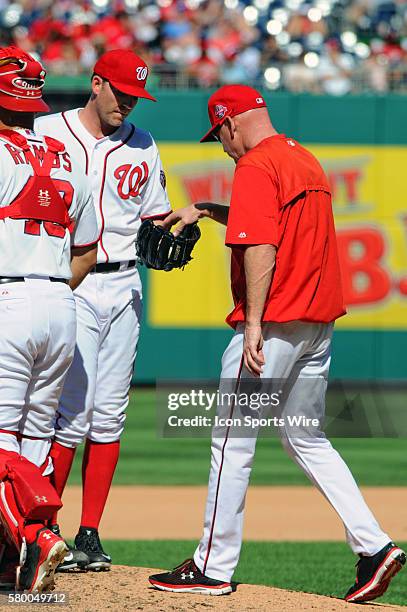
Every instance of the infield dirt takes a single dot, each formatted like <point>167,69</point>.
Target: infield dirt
<point>127,588</point>
<point>298,513</point>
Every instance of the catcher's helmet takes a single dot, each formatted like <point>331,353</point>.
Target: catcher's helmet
<point>21,81</point>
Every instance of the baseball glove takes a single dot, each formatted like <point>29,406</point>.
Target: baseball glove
<point>159,249</point>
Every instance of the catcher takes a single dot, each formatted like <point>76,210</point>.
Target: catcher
<point>48,234</point>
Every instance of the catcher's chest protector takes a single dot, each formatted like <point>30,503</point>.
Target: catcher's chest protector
<point>39,199</point>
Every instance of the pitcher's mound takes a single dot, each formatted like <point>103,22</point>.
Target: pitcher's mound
<point>127,588</point>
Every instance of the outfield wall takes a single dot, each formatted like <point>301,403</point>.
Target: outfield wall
<point>362,143</point>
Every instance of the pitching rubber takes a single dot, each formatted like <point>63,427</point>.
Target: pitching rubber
<point>378,585</point>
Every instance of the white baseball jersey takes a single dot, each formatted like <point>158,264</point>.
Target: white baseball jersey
<point>30,248</point>
<point>125,175</point>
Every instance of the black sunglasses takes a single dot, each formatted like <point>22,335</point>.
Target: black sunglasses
<point>215,133</point>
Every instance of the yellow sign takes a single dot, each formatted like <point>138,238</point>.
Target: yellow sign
<point>370,207</point>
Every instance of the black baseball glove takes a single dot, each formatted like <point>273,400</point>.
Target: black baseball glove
<point>159,249</point>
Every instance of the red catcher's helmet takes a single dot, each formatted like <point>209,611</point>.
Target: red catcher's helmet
<point>21,81</point>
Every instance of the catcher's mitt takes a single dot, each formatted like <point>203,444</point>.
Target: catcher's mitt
<point>159,249</point>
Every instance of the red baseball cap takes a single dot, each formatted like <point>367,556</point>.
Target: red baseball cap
<point>228,101</point>
<point>126,71</point>
<point>21,81</point>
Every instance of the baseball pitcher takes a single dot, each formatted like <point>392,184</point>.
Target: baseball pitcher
<point>124,172</point>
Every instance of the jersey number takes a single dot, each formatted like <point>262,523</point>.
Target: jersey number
<point>33,227</point>
<point>131,179</point>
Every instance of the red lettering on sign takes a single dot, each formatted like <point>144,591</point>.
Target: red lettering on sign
<point>198,188</point>
<point>350,179</point>
<point>226,186</point>
<point>213,186</point>
<point>364,278</point>
<point>332,183</point>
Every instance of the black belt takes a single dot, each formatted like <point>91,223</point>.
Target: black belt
<point>114,266</point>
<point>21,279</point>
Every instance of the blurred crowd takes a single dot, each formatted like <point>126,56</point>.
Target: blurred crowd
<point>319,46</point>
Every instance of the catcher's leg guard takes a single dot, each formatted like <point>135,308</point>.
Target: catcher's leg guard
<point>10,515</point>
<point>25,495</point>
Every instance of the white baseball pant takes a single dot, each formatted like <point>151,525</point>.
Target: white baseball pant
<point>37,341</point>
<point>293,351</point>
<point>96,390</point>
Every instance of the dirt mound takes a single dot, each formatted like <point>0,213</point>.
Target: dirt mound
<point>126,588</point>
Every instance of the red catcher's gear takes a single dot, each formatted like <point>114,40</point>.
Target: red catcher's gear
<point>39,199</point>
<point>25,494</point>
<point>21,81</point>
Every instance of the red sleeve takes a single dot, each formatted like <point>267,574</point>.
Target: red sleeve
<point>253,214</point>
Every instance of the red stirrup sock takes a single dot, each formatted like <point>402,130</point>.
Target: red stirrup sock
<point>98,466</point>
<point>62,458</point>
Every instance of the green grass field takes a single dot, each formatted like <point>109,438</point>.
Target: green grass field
<point>326,568</point>
<point>149,459</point>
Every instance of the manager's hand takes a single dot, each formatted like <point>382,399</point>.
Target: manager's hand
<point>253,356</point>
<point>183,216</point>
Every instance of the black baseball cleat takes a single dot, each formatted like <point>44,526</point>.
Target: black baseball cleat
<point>373,574</point>
<point>74,559</point>
<point>88,542</point>
<point>187,578</point>
<point>41,558</point>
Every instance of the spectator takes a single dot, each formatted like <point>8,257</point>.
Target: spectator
<point>354,44</point>
<point>334,70</point>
